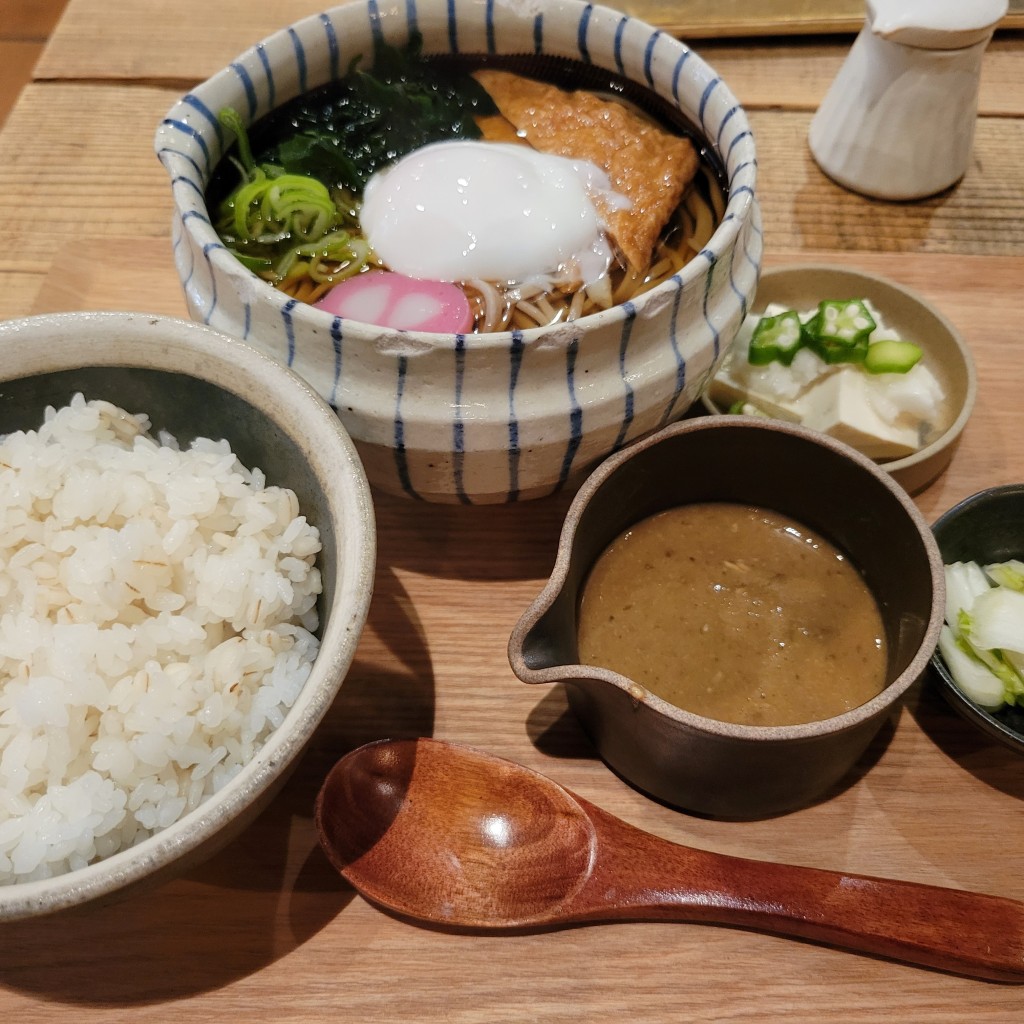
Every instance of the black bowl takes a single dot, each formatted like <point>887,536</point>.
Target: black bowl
<point>986,527</point>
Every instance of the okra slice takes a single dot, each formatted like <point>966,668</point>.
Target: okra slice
<point>839,330</point>
<point>776,339</point>
<point>891,356</point>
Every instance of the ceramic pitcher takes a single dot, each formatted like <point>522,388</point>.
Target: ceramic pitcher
<point>898,121</point>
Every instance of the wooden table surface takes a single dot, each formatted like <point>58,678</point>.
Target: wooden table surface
<point>266,930</point>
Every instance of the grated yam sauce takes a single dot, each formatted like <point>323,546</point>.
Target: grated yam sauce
<point>736,613</point>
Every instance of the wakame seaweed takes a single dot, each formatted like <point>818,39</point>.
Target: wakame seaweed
<point>346,130</point>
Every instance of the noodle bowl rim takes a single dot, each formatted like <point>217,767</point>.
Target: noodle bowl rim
<point>737,213</point>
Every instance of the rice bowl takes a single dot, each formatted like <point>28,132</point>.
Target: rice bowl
<point>172,795</point>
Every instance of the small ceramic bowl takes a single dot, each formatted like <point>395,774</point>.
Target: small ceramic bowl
<point>194,382</point>
<point>946,353</point>
<point>478,418</point>
<point>694,762</point>
<point>986,527</point>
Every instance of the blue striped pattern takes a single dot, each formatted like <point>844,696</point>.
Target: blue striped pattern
<point>289,328</point>
<point>620,30</point>
<point>458,427</point>
<point>331,38</point>
<point>673,338</point>
<point>187,130</point>
<point>648,59</point>
<point>514,451</point>
<point>575,413</point>
<point>714,287</point>
<point>581,33</point>
<point>251,101</point>
<point>193,101</point>
<point>268,73</point>
<point>401,458</point>
<point>373,9</point>
<point>490,27</point>
<point>337,335</point>
<point>627,388</point>
<point>411,17</point>
<point>207,249</point>
<point>453,28</point>
<point>300,61</point>
<point>189,183</point>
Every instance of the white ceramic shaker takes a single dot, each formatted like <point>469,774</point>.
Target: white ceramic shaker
<point>898,121</point>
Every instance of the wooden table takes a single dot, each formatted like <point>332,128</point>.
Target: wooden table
<point>266,930</point>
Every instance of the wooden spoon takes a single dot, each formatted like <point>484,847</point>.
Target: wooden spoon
<point>456,837</point>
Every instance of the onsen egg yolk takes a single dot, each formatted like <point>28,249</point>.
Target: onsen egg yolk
<point>458,210</point>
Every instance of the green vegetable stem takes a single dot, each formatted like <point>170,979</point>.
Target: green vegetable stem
<point>891,356</point>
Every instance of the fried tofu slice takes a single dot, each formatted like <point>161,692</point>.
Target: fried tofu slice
<point>495,128</point>
<point>646,164</point>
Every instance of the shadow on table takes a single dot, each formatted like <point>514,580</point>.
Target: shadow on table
<point>256,901</point>
<point>986,759</point>
<point>477,542</point>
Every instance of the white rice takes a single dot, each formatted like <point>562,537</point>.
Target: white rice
<point>156,609</point>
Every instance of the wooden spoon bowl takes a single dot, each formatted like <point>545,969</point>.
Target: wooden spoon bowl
<point>486,848</point>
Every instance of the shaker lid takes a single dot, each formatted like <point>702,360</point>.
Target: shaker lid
<point>935,24</point>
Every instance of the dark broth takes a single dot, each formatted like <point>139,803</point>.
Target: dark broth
<point>561,71</point>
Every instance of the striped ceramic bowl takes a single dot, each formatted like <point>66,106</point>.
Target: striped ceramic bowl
<point>478,418</point>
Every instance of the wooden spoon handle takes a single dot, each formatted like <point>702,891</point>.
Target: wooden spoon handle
<point>963,932</point>
<point>949,929</point>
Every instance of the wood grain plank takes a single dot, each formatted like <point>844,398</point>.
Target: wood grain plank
<point>24,29</point>
<point>701,20</point>
<point>30,20</point>
<point>147,40</point>
<point>17,59</point>
<point>18,290</point>
<point>112,273</point>
<point>265,928</point>
<point>795,74</point>
<point>983,214</point>
<point>91,172</point>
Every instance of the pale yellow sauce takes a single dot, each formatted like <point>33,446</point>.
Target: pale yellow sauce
<point>735,613</point>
